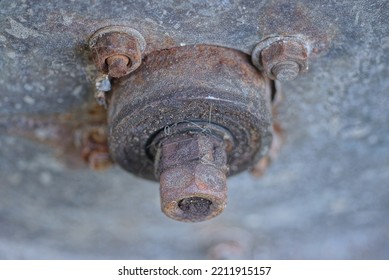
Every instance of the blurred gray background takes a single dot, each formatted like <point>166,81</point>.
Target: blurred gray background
<point>325,197</point>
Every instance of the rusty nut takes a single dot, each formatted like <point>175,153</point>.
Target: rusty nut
<point>193,192</point>
<point>94,148</point>
<point>192,170</point>
<point>117,51</point>
<point>280,58</point>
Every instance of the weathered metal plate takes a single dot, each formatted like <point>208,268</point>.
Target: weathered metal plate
<point>326,196</point>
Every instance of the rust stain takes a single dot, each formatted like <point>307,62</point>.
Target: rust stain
<point>279,137</point>
<point>78,138</point>
<point>285,18</point>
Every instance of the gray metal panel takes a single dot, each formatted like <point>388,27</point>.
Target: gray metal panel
<point>326,196</point>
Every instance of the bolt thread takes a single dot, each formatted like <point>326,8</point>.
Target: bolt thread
<point>286,70</point>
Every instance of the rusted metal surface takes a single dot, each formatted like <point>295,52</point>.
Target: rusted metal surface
<point>117,50</point>
<point>307,20</point>
<point>79,138</point>
<point>164,118</point>
<point>192,168</point>
<point>281,58</point>
<point>118,65</point>
<point>279,137</point>
<point>193,86</point>
<point>325,197</point>
<point>94,147</point>
<point>56,38</point>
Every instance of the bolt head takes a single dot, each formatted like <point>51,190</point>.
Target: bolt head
<point>193,179</point>
<point>116,52</point>
<point>281,58</point>
<point>193,192</point>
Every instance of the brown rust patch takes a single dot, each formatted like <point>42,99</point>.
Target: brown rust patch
<point>279,137</point>
<point>285,18</point>
<point>77,137</point>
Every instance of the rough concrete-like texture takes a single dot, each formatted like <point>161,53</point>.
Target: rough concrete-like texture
<point>326,196</point>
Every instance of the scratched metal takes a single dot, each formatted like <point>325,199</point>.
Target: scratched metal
<point>326,196</point>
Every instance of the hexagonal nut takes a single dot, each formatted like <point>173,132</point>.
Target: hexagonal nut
<point>284,58</point>
<point>193,192</point>
<point>193,147</point>
<point>114,44</point>
<point>117,50</point>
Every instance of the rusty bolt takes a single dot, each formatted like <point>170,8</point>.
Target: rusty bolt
<point>285,70</point>
<point>192,171</point>
<point>117,50</point>
<point>95,148</point>
<point>118,65</point>
<point>281,58</point>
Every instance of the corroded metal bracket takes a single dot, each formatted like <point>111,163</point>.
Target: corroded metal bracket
<point>189,117</point>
